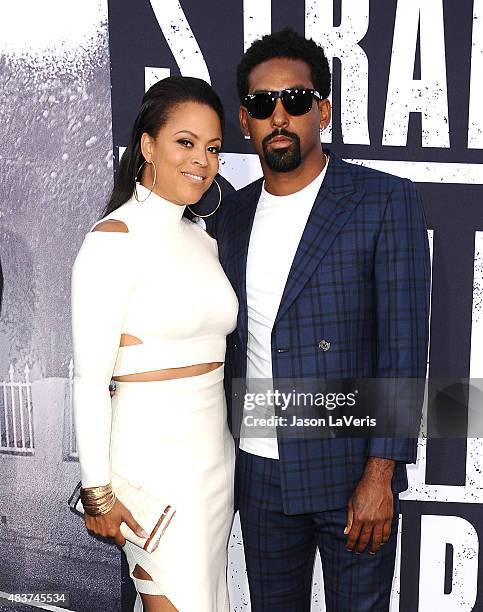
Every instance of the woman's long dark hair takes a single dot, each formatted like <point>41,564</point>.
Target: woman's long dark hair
<point>156,105</point>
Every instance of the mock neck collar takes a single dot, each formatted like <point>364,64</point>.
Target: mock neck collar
<point>171,210</point>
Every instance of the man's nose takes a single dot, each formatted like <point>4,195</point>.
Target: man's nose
<point>280,116</point>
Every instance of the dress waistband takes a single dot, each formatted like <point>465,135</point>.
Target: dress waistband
<point>157,354</point>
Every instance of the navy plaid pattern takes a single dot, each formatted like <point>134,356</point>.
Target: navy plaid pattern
<point>360,279</point>
<point>280,550</point>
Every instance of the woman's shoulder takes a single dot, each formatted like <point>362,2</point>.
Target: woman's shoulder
<point>111,225</point>
<point>108,242</point>
<point>117,221</point>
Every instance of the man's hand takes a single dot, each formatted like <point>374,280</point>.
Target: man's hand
<point>370,509</point>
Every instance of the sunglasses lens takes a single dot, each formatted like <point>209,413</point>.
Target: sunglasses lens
<point>297,102</point>
<point>260,106</point>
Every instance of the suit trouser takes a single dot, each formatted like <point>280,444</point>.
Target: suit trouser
<point>280,550</point>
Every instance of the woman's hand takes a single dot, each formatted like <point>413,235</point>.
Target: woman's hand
<point>108,525</point>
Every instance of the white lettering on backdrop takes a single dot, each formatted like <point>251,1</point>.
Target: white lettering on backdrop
<point>475,127</point>
<point>427,95</point>
<point>436,532</point>
<point>180,38</point>
<point>343,42</point>
<point>257,20</point>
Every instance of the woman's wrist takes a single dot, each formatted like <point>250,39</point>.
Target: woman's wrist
<point>98,500</point>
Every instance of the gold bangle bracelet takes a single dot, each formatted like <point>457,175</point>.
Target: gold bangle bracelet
<point>98,500</point>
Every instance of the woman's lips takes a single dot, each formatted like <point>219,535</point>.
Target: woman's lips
<point>194,178</point>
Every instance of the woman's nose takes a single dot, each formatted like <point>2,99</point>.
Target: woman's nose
<point>200,159</point>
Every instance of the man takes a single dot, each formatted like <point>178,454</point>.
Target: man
<point>330,263</point>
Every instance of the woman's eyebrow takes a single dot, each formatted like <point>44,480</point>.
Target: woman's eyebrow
<point>186,132</point>
<point>195,135</point>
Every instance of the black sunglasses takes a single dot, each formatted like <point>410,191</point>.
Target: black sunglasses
<point>296,102</point>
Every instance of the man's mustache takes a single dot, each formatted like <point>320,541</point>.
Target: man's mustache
<point>281,132</point>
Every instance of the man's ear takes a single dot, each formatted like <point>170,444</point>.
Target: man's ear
<point>243,116</point>
<point>325,113</point>
<point>147,145</point>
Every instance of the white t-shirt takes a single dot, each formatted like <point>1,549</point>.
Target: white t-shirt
<point>277,229</point>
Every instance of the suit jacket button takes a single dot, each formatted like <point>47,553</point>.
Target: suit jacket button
<point>324,345</point>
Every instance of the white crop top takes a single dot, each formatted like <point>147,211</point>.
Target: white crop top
<point>160,282</point>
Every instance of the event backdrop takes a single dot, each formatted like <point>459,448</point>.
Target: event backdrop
<point>407,99</point>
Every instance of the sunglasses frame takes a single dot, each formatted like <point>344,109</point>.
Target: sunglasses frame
<point>275,95</point>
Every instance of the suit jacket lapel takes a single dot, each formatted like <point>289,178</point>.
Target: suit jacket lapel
<point>245,214</point>
<point>333,206</point>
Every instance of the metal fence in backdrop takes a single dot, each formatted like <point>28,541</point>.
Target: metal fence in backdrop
<point>16,430</point>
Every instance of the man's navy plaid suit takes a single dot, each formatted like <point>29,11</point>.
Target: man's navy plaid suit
<point>359,280</point>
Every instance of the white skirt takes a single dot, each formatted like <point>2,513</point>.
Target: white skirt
<point>172,438</point>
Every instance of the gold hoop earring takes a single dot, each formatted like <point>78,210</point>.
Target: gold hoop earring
<point>136,181</point>
<point>217,207</point>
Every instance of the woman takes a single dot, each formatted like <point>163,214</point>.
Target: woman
<point>151,308</point>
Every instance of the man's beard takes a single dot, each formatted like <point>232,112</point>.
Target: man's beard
<point>282,160</point>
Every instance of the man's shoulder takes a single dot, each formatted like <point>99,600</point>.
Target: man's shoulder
<point>232,202</point>
<point>247,192</point>
<point>370,179</point>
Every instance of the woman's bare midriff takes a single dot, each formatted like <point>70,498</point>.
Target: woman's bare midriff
<point>169,373</point>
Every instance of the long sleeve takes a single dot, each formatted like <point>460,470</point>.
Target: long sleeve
<point>402,277</point>
<point>101,283</point>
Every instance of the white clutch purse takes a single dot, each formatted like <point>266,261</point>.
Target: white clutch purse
<point>153,515</point>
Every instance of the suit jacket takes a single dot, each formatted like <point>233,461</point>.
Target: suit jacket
<point>355,305</point>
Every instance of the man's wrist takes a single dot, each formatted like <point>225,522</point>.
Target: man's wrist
<point>379,468</point>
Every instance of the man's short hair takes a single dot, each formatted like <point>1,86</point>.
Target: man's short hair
<point>286,43</point>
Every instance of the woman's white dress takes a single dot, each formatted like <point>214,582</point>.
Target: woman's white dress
<point>160,282</point>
